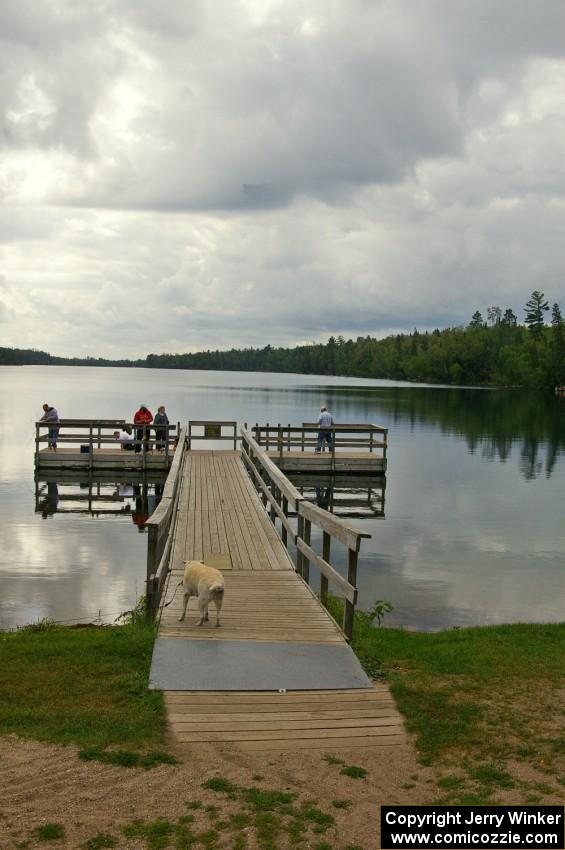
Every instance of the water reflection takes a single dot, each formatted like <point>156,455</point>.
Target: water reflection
<point>494,422</point>
<point>354,496</point>
<point>474,528</point>
<point>98,494</point>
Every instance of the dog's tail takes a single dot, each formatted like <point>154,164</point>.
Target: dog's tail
<point>217,589</point>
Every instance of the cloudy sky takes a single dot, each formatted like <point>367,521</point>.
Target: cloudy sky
<point>187,175</point>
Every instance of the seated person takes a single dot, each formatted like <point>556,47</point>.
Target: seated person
<point>126,438</point>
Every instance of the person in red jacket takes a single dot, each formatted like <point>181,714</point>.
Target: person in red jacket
<point>142,417</point>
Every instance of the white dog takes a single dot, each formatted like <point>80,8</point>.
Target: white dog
<point>207,583</point>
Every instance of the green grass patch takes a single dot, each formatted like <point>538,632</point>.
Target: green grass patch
<point>273,814</point>
<point>127,758</point>
<point>354,771</point>
<point>268,819</point>
<point>476,698</point>
<point>341,804</point>
<point>49,832</point>
<point>332,759</point>
<point>220,785</point>
<point>82,686</point>
<point>157,834</point>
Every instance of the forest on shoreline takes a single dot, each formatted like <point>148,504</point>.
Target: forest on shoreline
<point>497,351</point>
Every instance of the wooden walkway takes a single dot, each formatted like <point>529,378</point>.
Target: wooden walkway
<point>221,519</point>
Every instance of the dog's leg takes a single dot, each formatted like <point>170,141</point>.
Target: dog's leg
<point>218,599</point>
<point>203,606</point>
<point>184,604</point>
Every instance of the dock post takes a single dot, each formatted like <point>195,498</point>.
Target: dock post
<point>284,532</point>
<point>305,561</point>
<point>152,561</point>
<point>326,544</point>
<point>300,534</point>
<point>36,444</point>
<point>90,448</point>
<point>349,609</point>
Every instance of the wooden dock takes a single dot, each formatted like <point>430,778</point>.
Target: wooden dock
<point>102,460</point>
<point>354,448</point>
<point>220,518</point>
<point>90,445</point>
<point>311,462</point>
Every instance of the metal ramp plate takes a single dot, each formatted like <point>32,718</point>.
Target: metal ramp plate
<point>233,665</point>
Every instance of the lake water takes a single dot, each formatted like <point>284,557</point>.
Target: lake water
<point>472,532</point>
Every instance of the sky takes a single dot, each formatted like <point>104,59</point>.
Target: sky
<point>192,175</point>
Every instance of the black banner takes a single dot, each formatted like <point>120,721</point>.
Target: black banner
<point>477,827</point>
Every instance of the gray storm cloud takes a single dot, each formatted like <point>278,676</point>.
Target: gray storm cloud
<point>384,164</point>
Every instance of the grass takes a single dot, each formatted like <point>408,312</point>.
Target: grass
<point>269,818</point>
<point>49,832</point>
<point>480,701</point>
<point>100,841</point>
<point>354,771</point>
<point>82,686</point>
<point>273,814</point>
<point>127,758</point>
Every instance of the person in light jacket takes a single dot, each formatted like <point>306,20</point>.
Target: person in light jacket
<point>51,416</point>
<point>325,424</point>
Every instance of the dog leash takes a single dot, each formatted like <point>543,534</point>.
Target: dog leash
<point>166,605</point>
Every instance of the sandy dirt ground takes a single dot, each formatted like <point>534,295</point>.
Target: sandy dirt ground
<point>43,784</point>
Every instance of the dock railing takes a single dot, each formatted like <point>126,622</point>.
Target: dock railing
<point>286,438</point>
<point>279,495</point>
<point>160,526</point>
<point>89,434</point>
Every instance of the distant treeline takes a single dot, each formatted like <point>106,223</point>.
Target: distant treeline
<point>35,357</point>
<point>495,352</point>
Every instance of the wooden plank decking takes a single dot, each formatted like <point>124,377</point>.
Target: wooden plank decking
<point>342,462</point>
<point>221,519</point>
<point>102,459</point>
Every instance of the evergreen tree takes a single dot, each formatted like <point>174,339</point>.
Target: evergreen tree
<point>558,344</point>
<point>509,318</point>
<point>477,320</point>
<point>535,308</point>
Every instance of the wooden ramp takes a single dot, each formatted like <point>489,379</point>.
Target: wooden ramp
<point>305,720</point>
<point>221,519</point>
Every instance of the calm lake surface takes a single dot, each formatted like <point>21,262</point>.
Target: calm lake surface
<point>473,530</point>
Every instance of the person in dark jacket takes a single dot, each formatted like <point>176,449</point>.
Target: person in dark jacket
<point>142,417</point>
<point>161,434</point>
